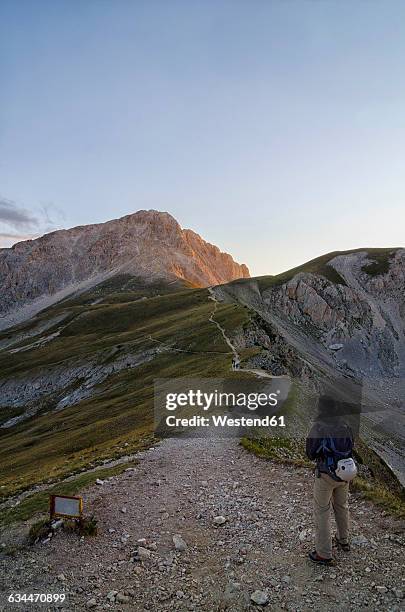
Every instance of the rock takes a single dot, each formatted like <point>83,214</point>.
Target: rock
<point>57,524</point>
<point>143,553</point>
<point>111,596</point>
<point>234,598</point>
<point>124,510</point>
<point>99,482</point>
<point>91,603</point>
<point>61,578</point>
<point>46,265</point>
<point>399,593</point>
<point>360,540</point>
<point>303,534</point>
<point>335,347</point>
<point>381,589</point>
<point>219,520</point>
<point>286,579</point>
<point>111,530</point>
<point>260,598</point>
<point>179,543</point>
<point>121,598</point>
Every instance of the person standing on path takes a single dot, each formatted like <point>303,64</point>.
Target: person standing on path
<point>329,441</point>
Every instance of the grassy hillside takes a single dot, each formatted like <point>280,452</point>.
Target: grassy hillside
<point>118,319</point>
<point>320,266</point>
<point>118,417</point>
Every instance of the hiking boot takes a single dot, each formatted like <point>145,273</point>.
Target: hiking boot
<point>315,558</point>
<point>345,546</point>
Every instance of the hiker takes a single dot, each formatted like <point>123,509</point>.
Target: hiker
<point>330,444</point>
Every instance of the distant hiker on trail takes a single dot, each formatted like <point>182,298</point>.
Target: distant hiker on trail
<point>330,444</point>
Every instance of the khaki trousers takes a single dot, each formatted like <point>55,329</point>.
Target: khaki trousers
<point>327,493</point>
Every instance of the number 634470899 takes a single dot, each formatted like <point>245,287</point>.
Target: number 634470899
<point>36,597</point>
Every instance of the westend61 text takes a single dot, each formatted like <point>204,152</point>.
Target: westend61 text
<point>226,421</point>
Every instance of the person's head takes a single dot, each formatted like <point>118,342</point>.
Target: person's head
<point>332,415</point>
<point>326,407</point>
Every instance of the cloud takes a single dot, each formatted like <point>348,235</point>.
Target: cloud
<point>6,236</point>
<point>18,223</point>
<point>16,216</point>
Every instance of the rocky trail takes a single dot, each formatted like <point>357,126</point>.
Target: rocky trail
<point>236,359</point>
<point>204,525</point>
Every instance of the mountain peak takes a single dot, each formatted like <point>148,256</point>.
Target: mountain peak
<point>149,244</point>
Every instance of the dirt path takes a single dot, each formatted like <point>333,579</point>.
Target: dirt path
<point>178,488</point>
<point>236,360</point>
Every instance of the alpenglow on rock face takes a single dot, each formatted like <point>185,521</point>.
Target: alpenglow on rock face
<point>146,244</point>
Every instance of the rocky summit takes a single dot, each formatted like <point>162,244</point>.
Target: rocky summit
<point>147,244</point>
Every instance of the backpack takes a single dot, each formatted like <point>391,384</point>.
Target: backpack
<point>331,458</point>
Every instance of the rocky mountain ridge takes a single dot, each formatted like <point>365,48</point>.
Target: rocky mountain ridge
<point>147,244</point>
<point>341,317</point>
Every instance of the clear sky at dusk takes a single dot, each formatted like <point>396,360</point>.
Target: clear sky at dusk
<point>275,129</point>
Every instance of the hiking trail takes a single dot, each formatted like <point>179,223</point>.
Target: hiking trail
<point>179,487</point>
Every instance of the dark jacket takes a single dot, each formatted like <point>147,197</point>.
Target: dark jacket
<point>342,437</point>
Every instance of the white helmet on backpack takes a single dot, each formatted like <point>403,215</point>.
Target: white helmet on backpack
<point>346,469</point>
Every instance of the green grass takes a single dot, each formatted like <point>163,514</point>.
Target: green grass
<point>76,308</point>
<point>102,327</point>
<point>118,287</point>
<point>283,449</point>
<point>380,472</point>
<point>53,444</point>
<point>380,264</point>
<point>380,495</point>
<point>38,503</point>
<point>232,317</point>
<point>277,449</point>
<point>320,266</point>
<point>248,353</point>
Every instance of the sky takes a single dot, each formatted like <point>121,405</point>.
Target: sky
<point>275,129</point>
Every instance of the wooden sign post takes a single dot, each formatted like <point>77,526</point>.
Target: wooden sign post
<point>66,507</point>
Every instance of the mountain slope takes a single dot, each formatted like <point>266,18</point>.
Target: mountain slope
<point>147,244</point>
<point>76,381</point>
<point>339,317</point>
<point>351,301</point>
